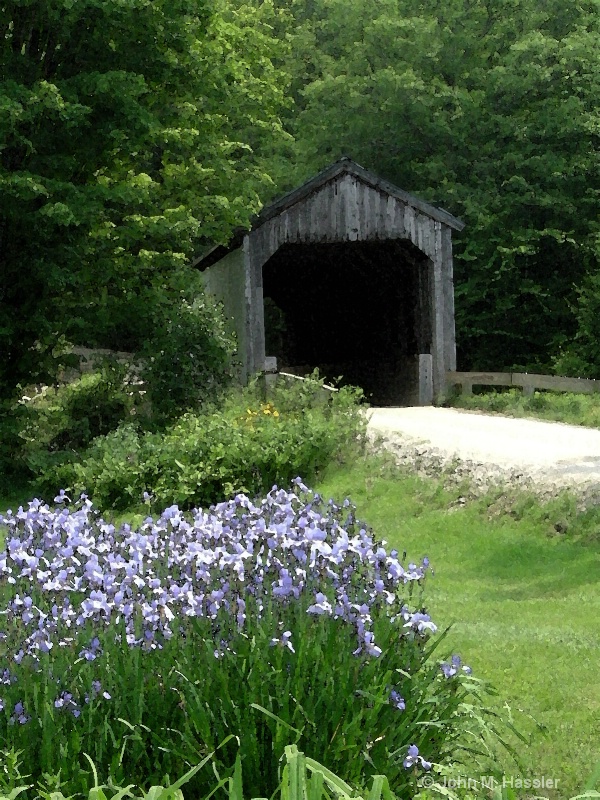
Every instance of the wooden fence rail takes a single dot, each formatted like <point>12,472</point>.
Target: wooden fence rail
<point>527,381</point>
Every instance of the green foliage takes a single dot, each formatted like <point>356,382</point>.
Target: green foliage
<point>302,779</point>
<point>13,471</point>
<point>576,409</point>
<point>131,134</point>
<point>581,355</point>
<point>489,110</point>
<point>187,359</point>
<point>60,422</point>
<point>243,445</point>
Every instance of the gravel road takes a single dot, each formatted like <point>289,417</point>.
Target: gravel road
<point>549,454</point>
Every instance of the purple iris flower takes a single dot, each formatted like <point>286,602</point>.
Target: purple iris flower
<point>413,758</point>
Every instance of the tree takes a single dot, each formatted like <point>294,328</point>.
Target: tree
<point>130,134</point>
<point>487,108</point>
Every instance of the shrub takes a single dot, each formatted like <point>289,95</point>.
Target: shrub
<point>244,445</point>
<point>268,621</point>
<point>188,357</point>
<point>57,424</point>
<point>13,471</point>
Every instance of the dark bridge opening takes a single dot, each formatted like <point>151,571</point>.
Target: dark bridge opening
<point>356,310</point>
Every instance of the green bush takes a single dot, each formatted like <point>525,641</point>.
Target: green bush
<point>55,426</point>
<point>12,469</point>
<point>188,358</point>
<point>581,356</point>
<point>244,445</point>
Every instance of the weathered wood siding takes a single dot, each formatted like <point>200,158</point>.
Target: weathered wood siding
<point>347,209</point>
<point>225,280</point>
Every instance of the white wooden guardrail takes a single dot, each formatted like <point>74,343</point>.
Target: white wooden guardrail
<point>527,381</point>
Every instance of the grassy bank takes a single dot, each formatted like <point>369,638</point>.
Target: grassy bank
<point>524,602</point>
<point>575,409</point>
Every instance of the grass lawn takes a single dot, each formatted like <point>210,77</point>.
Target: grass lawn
<point>524,602</point>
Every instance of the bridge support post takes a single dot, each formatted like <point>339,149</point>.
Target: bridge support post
<point>425,379</point>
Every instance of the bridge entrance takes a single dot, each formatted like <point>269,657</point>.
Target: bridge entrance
<point>359,311</point>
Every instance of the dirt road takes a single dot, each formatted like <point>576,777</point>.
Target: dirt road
<point>546,451</point>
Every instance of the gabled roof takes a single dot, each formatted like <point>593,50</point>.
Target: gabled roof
<point>344,165</point>
<point>351,167</point>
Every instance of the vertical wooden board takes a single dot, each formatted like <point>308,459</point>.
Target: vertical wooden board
<point>295,223</point>
<point>305,209</point>
<point>248,355</point>
<point>427,235</point>
<point>280,230</point>
<point>311,218</point>
<point>322,214</point>
<point>372,214</point>
<point>352,219</point>
<point>265,250</point>
<point>334,211</point>
<point>257,246</point>
<point>420,232</point>
<point>365,213</point>
<point>369,230</point>
<point>299,209</point>
<point>300,217</point>
<point>381,207</point>
<point>331,222</point>
<point>362,211</point>
<point>444,246</point>
<point>390,210</point>
<point>268,229</point>
<point>438,319</point>
<point>431,241</point>
<point>438,231</point>
<point>409,224</point>
<point>343,208</point>
<point>377,214</point>
<point>341,232</point>
<point>399,226</point>
<point>285,226</point>
<point>425,379</point>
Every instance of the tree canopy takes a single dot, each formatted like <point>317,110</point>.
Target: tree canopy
<point>134,132</point>
<point>130,133</point>
<point>488,109</point>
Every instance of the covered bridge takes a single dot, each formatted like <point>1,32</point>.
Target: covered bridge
<point>349,274</point>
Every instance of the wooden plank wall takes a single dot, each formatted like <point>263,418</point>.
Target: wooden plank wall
<point>346,209</point>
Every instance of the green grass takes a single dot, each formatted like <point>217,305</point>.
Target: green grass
<point>575,409</point>
<point>524,602</point>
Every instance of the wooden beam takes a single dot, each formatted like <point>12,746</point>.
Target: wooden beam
<point>554,383</point>
<point>528,381</point>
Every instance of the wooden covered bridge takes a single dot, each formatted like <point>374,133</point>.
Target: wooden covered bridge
<point>349,274</point>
